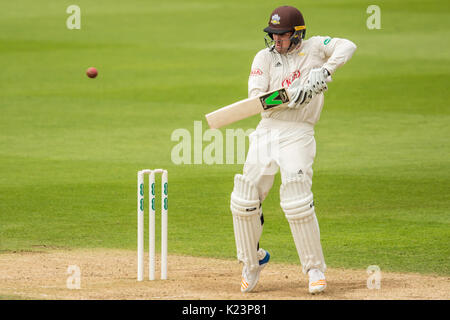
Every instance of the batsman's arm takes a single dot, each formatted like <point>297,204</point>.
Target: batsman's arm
<point>259,79</point>
<point>338,51</point>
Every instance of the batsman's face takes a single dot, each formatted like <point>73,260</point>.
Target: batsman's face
<point>282,42</point>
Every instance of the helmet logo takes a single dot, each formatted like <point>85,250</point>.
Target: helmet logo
<point>275,19</point>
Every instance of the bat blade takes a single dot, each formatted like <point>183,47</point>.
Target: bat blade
<point>246,108</point>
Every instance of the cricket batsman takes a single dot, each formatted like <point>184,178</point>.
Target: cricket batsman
<point>284,139</point>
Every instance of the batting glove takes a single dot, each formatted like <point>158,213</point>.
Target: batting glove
<point>317,79</point>
<point>299,94</point>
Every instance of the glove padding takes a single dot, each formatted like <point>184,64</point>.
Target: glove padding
<point>317,79</point>
<point>299,94</point>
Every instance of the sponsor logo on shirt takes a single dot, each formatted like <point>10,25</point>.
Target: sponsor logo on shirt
<point>288,81</point>
<point>256,72</point>
<point>327,41</point>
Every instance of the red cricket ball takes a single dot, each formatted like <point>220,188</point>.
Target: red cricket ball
<point>91,72</point>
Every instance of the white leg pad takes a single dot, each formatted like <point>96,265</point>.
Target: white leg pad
<point>245,207</point>
<point>297,204</point>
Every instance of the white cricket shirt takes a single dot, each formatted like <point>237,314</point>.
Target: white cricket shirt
<point>271,70</point>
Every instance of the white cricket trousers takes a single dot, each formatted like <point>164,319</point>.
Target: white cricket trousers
<point>290,147</point>
<point>278,144</point>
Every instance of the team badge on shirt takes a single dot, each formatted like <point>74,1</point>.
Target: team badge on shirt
<point>275,19</point>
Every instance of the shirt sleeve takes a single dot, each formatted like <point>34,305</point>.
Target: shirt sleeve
<point>337,52</point>
<point>259,79</point>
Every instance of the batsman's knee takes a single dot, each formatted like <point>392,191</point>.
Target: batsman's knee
<point>296,198</point>
<point>244,198</point>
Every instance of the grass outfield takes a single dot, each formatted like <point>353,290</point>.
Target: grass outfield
<point>70,146</point>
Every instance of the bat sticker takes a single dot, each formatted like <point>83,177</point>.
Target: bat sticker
<point>274,99</point>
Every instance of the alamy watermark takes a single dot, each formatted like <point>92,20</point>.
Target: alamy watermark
<point>74,279</point>
<point>374,20</point>
<point>220,149</point>
<point>374,279</point>
<point>74,20</point>
<point>228,148</point>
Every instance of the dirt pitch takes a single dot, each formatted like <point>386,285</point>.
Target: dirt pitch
<point>111,274</point>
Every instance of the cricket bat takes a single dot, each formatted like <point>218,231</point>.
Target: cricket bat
<point>246,108</point>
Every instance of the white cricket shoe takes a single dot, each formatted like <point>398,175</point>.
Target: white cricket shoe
<point>317,282</point>
<point>249,278</point>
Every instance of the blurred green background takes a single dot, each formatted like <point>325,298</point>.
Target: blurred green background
<point>70,146</point>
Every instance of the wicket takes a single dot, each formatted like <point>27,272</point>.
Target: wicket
<point>151,225</point>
